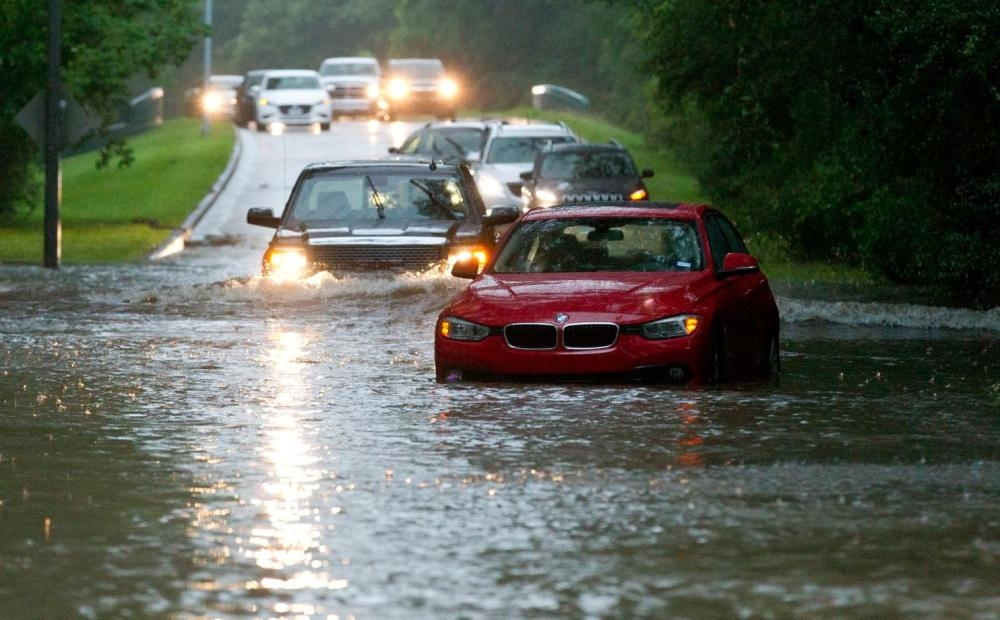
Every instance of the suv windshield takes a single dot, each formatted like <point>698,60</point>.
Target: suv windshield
<point>601,244</point>
<point>417,70</point>
<point>572,165</point>
<point>353,68</point>
<point>520,149</point>
<point>394,196</point>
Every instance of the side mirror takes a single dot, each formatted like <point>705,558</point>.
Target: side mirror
<point>467,268</point>
<point>394,150</point>
<point>737,264</point>
<point>262,217</point>
<point>647,173</point>
<point>502,214</point>
<point>527,176</point>
<point>255,89</point>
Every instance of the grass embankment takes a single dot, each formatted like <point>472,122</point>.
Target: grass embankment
<point>117,214</point>
<point>673,183</point>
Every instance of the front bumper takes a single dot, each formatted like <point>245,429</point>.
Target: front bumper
<point>679,360</point>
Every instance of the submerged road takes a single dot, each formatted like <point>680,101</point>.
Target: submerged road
<point>181,438</point>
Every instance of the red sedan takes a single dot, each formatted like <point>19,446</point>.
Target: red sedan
<point>662,291</point>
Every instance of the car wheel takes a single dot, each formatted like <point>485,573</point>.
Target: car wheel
<point>324,126</point>
<point>261,127</point>
<point>719,362</point>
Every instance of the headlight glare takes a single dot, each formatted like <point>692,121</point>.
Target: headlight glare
<point>545,198</point>
<point>447,88</point>
<point>286,264</point>
<point>490,186</point>
<point>459,329</point>
<point>671,327</point>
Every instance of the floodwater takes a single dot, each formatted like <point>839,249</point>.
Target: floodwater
<point>182,439</point>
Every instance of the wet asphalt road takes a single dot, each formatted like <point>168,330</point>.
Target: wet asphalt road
<point>182,439</point>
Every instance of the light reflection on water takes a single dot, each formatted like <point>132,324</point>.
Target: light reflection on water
<point>205,444</point>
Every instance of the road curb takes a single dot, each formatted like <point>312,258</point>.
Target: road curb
<point>179,236</point>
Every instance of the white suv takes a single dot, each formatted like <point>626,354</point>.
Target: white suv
<point>508,150</point>
<point>353,83</point>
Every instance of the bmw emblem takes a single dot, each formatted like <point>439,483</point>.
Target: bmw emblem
<point>562,318</point>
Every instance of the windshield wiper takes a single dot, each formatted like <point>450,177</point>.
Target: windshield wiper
<point>441,207</point>
<point>379,205</point>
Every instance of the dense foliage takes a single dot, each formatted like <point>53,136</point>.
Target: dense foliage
<point>865,131</point>
<point>104,44</point>
<point>854,129</point>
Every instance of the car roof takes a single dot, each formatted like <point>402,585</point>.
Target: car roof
<point>679,210</point>
<point>350,59</point>
<point>291,72</point>
<point>361,164</point>
<point>426,61</point>
<point>505,128</point>
<point>588,147</point>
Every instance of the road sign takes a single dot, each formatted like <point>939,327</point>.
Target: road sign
<point>76,123</point>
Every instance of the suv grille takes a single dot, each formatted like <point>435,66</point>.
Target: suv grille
<point>530,336</point>
<point>349,92</point>
<point>413,257</point>
<point>589,335</point>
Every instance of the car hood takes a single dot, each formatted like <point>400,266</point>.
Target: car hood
<point>498,299</point>
<point>294,96</point>
<point>508,173</point>
<point>389,232</point>
<point>579,190</point>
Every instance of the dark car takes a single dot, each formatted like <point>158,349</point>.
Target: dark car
<point>450,141</point>
<point>581,172</point>
<point>246,97</point>
<point>418,85</point>
<point>639,290</point>
<point>378,215</point>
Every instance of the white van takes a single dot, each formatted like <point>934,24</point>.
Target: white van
<point>353,83</point>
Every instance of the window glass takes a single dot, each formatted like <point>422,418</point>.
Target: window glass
<point>378,196</point>
<point>293,82</point>
<point>519,150</point>
<point>601,244</point>
<point>585,165</point>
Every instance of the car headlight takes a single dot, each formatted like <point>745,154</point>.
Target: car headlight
<point>372,91</point>
<point>262,101</point>
<point>286,263</point>
<point>460,254</point>
<point>639,194</point>
<point>398,89</point>
<point>545,198</point>
<point>459,329</point>
<point>490,186</point>
<point>671,327</point>
<point>447,88</point>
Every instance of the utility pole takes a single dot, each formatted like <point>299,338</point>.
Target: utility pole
<point>53,138</point>
<point>206,123</point>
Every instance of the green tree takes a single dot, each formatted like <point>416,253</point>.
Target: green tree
<point>104,44</point>
<point>856,129</point>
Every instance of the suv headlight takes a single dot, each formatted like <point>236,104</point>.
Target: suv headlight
<point>286,263</point>
<point>398,89</point>
<point>490,186</point>
<point>671,327</point>
<point>454,328</point>
<point>447,88</point>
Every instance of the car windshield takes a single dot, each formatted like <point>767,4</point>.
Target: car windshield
<point>368,196</point>
<point>417,70</point>
<point>292,82</point>
<point>520,150</point>
<point>352,68</point>
<point>574,245</point>
<point>574,165</point>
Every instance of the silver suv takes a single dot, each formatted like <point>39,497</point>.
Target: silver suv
<point>509,150</point>
<point>353,83</point>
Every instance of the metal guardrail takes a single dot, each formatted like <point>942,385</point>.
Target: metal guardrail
<point>554,97</point>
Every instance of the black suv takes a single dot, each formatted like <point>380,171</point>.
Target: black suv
<point>384,215</point>
<point>580,172</point>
